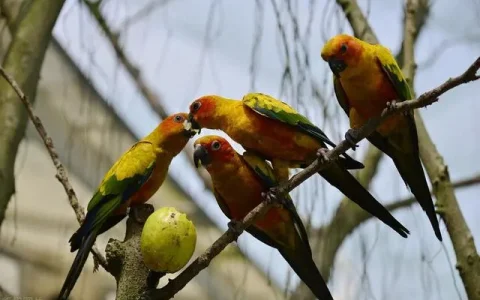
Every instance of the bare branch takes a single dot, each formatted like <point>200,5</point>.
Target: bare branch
<point>358,21</point>
<point>61,172</point>
<point>424,100</point>
<point>230,235</point>
<point>126,261</point>
<point>410,32</point>
<point>468,260</point>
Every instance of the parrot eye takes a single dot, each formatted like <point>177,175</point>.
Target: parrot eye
<point>178,118</point>
<point>215,145</point>
<point>196,105</point>
<point>343,48</point>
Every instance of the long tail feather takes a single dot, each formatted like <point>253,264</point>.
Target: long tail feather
<point>410,168</point>
<point>350,187</point>
<point>305,268</point>
<point>77,265</point>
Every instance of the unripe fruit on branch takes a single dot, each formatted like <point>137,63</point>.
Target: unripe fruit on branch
<point>168,240</point>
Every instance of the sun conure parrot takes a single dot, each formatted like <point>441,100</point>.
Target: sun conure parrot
<point>131,181</point>
<point>275,131</point>
<point>366,78</point>
<point>238,184</point>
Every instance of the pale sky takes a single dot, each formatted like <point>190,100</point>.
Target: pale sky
<point>170,48</point>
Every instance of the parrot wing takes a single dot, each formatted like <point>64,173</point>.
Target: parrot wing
<point>123,180</point>
<point>274,109</point>
<point>407,156</point>
<point>222,204</point>
<point>392,71</point>
<point>375,137</point>
<point>299,257</point>
<point>265,173</point>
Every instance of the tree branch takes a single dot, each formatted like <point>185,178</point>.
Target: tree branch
<point>126,261</point>
<point>230,235</point>
<point>61,172</point>
<point>175,285</point>
<point>24,59</point>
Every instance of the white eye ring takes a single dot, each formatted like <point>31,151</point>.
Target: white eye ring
<point>178,119</point>
<point>196,106</point>
<point>215,145</point>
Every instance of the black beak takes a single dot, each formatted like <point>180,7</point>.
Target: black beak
<point>189,133</point>
<point>337,66</point>
<point>195,125</point>
<point>200,156</point>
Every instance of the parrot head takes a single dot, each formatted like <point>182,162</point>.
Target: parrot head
<point>203,110</point>
<point>340,52</point>
<point>175,132</point>
<point>213,152</point>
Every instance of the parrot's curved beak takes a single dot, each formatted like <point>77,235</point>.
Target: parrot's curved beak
<point>194,124</point>
<point>188,131</point>
<point>201,156</point>
<point>337,66</point>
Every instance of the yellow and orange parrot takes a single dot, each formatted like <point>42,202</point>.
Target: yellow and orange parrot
<point>366,78</point>
<point>275,131</point>
<point>131,181</point>
<point>238,183</point>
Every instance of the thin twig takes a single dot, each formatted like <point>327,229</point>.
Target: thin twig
<point>61,172</point>
<point>175,285</point>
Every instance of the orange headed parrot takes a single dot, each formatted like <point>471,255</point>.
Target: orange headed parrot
<point>275,131</point>
<point>131,181</point>
<point>366,78</point>
<point>238,183</point>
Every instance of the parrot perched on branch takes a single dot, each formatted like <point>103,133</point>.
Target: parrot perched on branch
<point>239,182</point>
<point>131,181</point>
<point>275,131</point>
<point>366,78</point>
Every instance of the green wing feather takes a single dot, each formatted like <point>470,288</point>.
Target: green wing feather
<point>274,109</point>
<point>277,110</point>
<point>394,74</point>
<point>133,168</point>
<point>222,204</point>
<point>265,172</point>
<point>122,181</point>
<point>389,65</point>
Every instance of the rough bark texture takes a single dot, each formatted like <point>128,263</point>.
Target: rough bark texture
<point>23,61</point>
<point>125,259</point>
<point>468,259</point>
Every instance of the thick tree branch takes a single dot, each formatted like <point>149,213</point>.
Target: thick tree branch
<point>230,235</point>
<point>24,59</point>
<point>152,98</point>
<point>61,172</point>
<point>125,259</point>
<point>468,259</point>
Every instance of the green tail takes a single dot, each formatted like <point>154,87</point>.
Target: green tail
<point>350,187</point>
